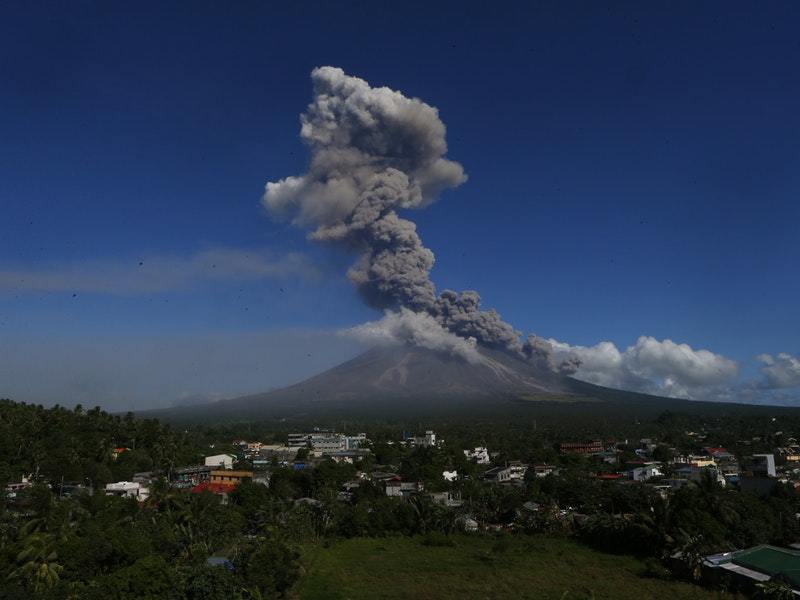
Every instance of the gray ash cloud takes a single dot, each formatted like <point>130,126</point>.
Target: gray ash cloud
<point>374,152</point>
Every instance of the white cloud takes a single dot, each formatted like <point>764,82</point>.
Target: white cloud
<point>653,366</point>
<point>781,371</point>
<point>419,329</point>
<point>154,274</point>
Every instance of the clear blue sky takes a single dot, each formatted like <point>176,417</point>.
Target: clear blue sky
<point>633,171</point>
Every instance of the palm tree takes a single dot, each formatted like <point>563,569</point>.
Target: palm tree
<point>37,562</point>
<point>775,590</point>
<point>691,554</point>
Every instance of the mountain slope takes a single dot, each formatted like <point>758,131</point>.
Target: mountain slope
<point>413,381</point>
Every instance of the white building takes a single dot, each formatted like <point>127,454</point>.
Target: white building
<point>480,455</point>
<point>426,441</point>
<point>450,475</point>
<point>513,471</point>
<point>223,461</point>
<point>128,489</point>
<point>645,472</point>
<point>323,442</point>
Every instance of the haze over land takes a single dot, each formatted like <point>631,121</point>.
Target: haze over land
<point>634,208</point>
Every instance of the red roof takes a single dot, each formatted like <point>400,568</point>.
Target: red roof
<point>214,488</point>
<point>610,476</point>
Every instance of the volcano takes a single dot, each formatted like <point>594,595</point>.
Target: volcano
<point>392,379</point>
<point>403,381</point>
<point>409,373</point>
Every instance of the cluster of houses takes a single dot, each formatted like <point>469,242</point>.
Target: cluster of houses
<point>757,473</point>
<point>253,460</point>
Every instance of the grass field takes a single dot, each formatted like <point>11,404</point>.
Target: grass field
<point>478,568</point>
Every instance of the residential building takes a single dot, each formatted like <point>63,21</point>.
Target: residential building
<point>544,470</point>
<point>699,460</point>
<point>323,441</point>
<point>480,455</point>
<point>426,441</point>
<point>14,488</point>
<point>450,475</point>
<point>403,489</point>
<point>695,473</point>
<point>232,478</point>
<point>645,472</point>
<point>510,473</point>
<point>222,481</point>
<point>128,489</point>
<point>224,461</point>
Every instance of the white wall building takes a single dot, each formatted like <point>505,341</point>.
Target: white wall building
<point>223,461</point>
<point>480,455</point>
<point>128,489</point>
<point>426,441</point>
<point>450,475</point>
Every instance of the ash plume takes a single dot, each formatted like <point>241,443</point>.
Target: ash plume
<point>373,152</point>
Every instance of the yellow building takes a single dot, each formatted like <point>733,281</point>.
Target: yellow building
<point>229,478</point>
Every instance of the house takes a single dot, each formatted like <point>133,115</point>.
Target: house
<point>544,470</point>
<point>480,455</point>
<point>645,472</point>
<point>398,488</point>
<point>14,488</point>
<point>426,441</point>
<point>511,473</point>
<point>696,473</point>
<point>232,478</point>
<point>700,460</point>
<point>450,475</point>
<point>323,441</point>
<point>224,461</point>
<point>222,482</point>
<point>128,489</point>
<point>756,565</point>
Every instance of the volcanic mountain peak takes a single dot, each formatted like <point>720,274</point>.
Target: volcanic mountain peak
<point>410,374</point>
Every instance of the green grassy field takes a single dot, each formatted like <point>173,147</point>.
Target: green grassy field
<point>473,568</point>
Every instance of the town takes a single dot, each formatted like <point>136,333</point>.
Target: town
<point>592,489</point>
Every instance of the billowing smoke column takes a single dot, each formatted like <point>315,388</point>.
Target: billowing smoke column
<point>374,151</point>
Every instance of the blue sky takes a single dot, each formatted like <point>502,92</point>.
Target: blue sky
<point>632,171</point>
